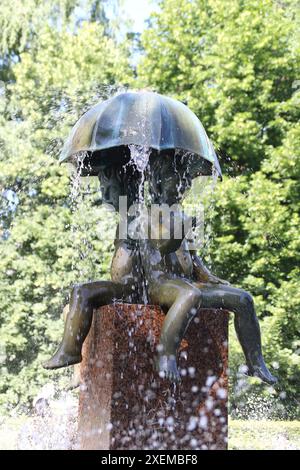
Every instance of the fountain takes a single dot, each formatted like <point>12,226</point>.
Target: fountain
<point>152,342</point>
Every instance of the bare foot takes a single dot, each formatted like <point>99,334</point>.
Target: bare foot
<point>263,373</point>
<point>166,365</point>
<point>61,359</point>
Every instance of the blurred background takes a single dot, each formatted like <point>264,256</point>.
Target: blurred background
<point>235,63</point>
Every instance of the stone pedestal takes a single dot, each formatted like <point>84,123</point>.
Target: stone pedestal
<point>124,404</point>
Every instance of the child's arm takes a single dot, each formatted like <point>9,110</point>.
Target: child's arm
<point>170,233</point>
<point>202,273</point>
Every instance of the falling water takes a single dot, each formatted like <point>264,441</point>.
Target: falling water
<point>139,158</point>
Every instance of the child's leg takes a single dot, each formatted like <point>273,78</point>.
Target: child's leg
<point>246,324</point>
<point>84,299</point>
<point>183,301</point>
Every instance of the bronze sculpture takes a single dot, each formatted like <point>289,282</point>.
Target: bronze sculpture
<point>165,270</point>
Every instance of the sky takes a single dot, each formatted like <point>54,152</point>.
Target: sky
<point>138,11</point>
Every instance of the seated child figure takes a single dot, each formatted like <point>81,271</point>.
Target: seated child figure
<point>182,284</point>
<point>175,276</point>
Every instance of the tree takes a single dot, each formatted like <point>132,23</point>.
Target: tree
<point>232,62</point>
<point>257,247</point>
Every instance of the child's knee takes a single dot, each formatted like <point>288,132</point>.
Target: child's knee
<point>193,297</point>
<point>79,292</point>
<point>246,300</point>
<point>76,290</point>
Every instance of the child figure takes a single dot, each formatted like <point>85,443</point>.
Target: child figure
<point>175,276</point>
<point>181,284</point>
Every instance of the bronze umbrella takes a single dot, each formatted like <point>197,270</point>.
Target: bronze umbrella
<point>140,118</point>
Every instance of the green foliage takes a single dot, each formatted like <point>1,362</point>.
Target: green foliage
<point>20,23</point>
<point>231,62</point>
<point>257,247</point>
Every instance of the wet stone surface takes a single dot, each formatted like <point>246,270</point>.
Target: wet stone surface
<point>124,404</point>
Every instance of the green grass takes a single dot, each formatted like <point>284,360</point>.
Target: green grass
<point>243,435</point>
<point>263,435</point>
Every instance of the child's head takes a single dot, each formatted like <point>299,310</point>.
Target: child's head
<point>119,180</point>
<point>171,175</point>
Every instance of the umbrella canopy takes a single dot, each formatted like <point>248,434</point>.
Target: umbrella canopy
<point>140,118</point>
